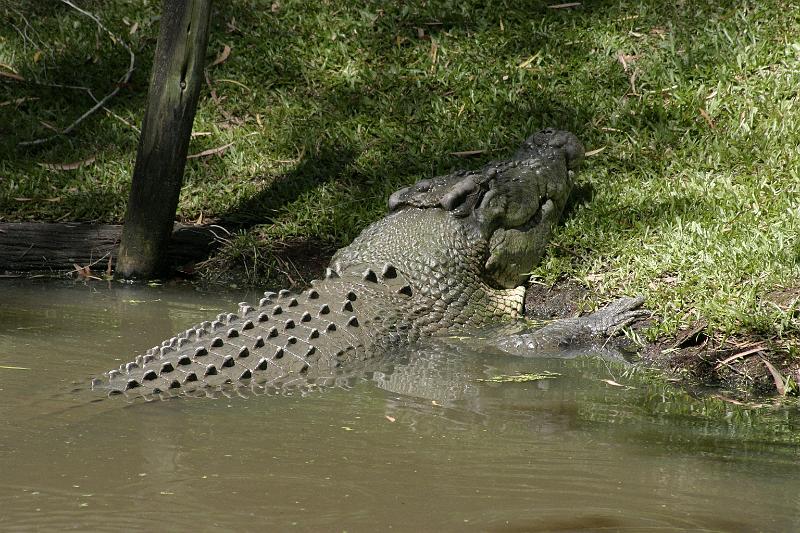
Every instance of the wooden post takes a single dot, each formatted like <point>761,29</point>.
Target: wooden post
<point>171,104</point>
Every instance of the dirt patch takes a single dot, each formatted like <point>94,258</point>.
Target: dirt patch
<point>739,367</point>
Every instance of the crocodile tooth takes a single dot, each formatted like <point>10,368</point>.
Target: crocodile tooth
<point>150,375</point>
<point>205,324</point>
<point>246,375</point>
<point>348,306</point>
<point>263,317</point>
<point>278,353</point>
<point>130,366</point>
<point>273,332</point>
<point>166,342</point>
<point>259,342</point>
<point>353,321</point>
<point>277,310</point>
<point>248,325</point>
<point>191,376</point>
<point>369,275</point>
<point>351,296</point>
<point>217,342</point>
<point>314,334</point>
<point>211,370</point>
<point>405,290</point>
<point>243,352</point>
<point>228,362</point>
<point>330,273</point>
<point>200,332</point>
<point>262,364</point>
<point>289,324</point>
<point>166,368</point>
<point>389,271</point>
<point>200,351</point>
<point>313,294</point>
<point>306,317</point>
<point>283,293</point>
<point>232,333</point>
<point>324,309</point>
<point>131,384</point>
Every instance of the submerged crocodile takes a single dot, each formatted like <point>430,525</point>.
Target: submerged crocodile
<point>451,256</point>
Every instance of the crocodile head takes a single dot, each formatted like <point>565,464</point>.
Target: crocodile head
<point>514,205</point>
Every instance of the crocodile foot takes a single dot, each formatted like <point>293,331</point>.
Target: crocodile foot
<point>570,333</point>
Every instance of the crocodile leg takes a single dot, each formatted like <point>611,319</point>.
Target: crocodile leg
<point>571,333</point>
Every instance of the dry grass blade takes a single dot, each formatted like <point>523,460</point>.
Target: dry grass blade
<point>468,153</point>
<point>738,356</point>
<point>68,166</point>
<point>564,6</point>
<point>210,151</point>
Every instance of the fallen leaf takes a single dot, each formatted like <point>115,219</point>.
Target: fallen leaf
<point>210,151</point>
<point>276,6</point>
<point>777,378</point>
<point>23,199</point>
<point>389,418</point>
<point>347,428</point>
<point>613,383</point>
<point>68,166</point>
<point>223,56</point>
<point>520,378</point>
<point>134,28</point>
<point>707,118</point>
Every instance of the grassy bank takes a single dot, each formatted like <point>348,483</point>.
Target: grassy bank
<point>690,108</point>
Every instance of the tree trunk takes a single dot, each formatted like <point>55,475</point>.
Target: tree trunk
<point>171,104</point>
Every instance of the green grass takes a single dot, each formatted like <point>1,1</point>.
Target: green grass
<point>332,105</point>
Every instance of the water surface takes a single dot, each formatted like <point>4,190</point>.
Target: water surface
<point>438,450</point>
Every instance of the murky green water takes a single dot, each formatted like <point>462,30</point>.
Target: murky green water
<point>568,453</point>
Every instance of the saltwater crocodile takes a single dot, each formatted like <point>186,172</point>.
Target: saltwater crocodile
<point>452,255</point>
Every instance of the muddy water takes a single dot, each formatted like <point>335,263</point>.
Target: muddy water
<point>398,452</point>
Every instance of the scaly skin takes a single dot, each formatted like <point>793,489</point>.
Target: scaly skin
<point>450,256</point>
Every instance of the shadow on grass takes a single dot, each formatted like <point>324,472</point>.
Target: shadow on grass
<point>385,31</point>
